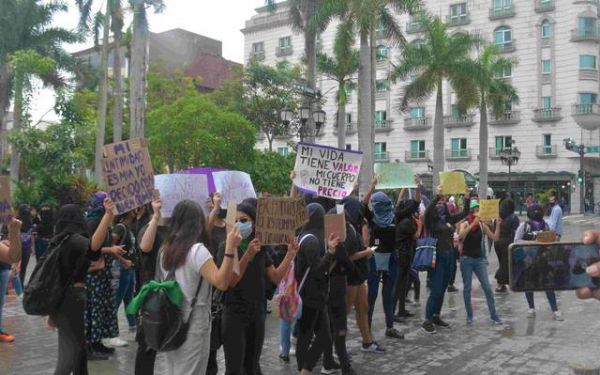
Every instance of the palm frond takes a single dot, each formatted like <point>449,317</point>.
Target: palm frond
<point>390,27</point>
<point>421,88</point>
<point>85,8</point>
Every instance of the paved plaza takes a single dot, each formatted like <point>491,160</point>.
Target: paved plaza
<point>522,346</point>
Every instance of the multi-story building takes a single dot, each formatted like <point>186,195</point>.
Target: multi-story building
<point>555,48</point>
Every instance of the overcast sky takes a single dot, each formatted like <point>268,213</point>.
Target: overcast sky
<point>220,19</point>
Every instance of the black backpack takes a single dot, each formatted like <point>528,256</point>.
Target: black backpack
<point>46,288</point>
<point>162,321</point>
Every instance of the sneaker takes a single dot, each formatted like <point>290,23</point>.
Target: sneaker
<point>394,334</point>
<point>372,347</point>
<point>501,289</point>
<point>399,319</point>
<point>416,303</point>
<point>284,358</point>
<point>440,323</point>
<point>330,368</point>
<point>469,322</point>
<point>531,313</point>
<point>405,314</point>
<point>558,316</point>
<point>5,337</point>
<point>98,347</point>
<point>115,342</point>
<point>348,371</point>
<point>428,327</point>
<point>497,321</point>
<point>293,350</point>
<point>452,289</point>
<point>93,355</point>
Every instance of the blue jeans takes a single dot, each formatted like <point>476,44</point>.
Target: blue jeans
<point>440,277</point>
<point>41,245</point>
<point>468,266</point>
<point>125,292</point>
<point>17,284</point>
<point>551,300</point>
<point>388,279</point>
<point>285,332</point>
<point>3,288</point>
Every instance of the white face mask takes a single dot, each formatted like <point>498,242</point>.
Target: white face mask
<point>245,229</point>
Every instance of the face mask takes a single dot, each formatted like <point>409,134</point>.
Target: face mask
<point>245,229</point>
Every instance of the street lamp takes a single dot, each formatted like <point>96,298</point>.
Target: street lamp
<point>571,145</point>
<point>296,124</point>
<point>510,156</point>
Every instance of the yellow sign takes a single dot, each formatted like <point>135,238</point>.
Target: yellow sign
<point>452,183</point>
<point>489,209</point>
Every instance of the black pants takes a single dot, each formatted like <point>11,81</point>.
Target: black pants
<point>243,333</point>
<point>313,323</point>
<point>72,355</point>
<point>454,266</point>
<point>25,256</point>
<point>213,365</point>
<point>502,273</point>
<point>144,357</point>
<point>402,283</point>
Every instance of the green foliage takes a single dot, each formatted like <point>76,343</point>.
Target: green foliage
<point>270,172</point>
<point>166,87</point>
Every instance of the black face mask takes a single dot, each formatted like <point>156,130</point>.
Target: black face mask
<point>222,214</point>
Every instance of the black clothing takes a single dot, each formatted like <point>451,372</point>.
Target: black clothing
<point>385,238</point>
<point>314,322</point>
<point>218,235</point>
<point>144,357</point>
<point>126,237</point>
<point>71,262</point>
<point>472,244</point>
<point>147,261</point>
<point>405,231</point>
<point>243,336</point>
<point>360,269</point>
<point>508,227</point>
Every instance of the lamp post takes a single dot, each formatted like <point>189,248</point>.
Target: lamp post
<point>510,156</point>
<point>580,149</point>
<point>296,123</point>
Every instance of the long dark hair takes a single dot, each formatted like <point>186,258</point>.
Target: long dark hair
<point>185,228</point>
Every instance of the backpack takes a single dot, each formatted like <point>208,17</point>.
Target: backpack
<point>530,235</point>
<point>46,288</point>
<point>162,321</point>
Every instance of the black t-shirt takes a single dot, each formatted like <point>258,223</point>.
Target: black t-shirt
<point>384,238</point>
<point>405,231</point>
<point>472,244</point>
<point>147,266</point>
<point>218,235</point>
<point>71,261</point>
<point>443,232</point>
<point>126,237</point>
<point>508,228</point>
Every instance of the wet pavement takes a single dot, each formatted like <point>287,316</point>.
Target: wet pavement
<point>521,346</point>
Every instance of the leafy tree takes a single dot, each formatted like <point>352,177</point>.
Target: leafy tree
<point>166,87</point>
<point>439,57</point>
<point>270,172</point>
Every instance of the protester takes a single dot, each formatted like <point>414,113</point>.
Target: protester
<point>191,262</point>
<point>243,322</point>
<point>555,215</point>
<point>528,231</point>
<point>438,224</point>
<point>44,226</point>
<point>474,260</point>
<point>24,215</point>
<point>10,252</point>
<point>76,253</point>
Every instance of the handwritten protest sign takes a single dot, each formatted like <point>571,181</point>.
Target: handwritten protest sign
<point>489,209</point>
<point>177,187</point>
<point>394,176</point>
<point>5,208</point>
<point>233,186</point>
<point>326,171</point>
<point>453,182</point>
<point>128,174</point>
<point>278,218</point>
<point>336,224</point>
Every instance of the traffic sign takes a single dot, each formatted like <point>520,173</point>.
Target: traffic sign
<point>592,149</point>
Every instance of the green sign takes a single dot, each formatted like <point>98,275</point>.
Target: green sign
<point>394,176</point>
<point>592,149</point>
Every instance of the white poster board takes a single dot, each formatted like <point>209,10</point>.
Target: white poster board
<point>174,188</point>
<point>233,186</point>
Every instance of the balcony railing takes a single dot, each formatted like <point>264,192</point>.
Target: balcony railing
<point>463,19</point>
<point>416,156</point>
<point>284,51</point>
<point>459,121</point>
<point>586,109</point>
<point>546,115</point>
<point>462,154</point>
<point>382,157</point>
<point>585,35</point>
<point>257,55</point>
<point>494,153</point>
<point>507,47</point>
<point>504,12</point>
<point>588,74</point>
<point>546,151</point>
<point>417,123</point>
<point>383,125</point>
<point>507,118</point>
<point>350,128</point>
<point>544,6</point>
<point>414,27</point>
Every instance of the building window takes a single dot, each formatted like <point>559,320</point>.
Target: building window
<point>546,29</point>
<point>503,37</point>
<point>547,139</point>
<point>285,42</point>
<point>458,12</point>
<point>348,146</point>
<point>504,72</point>
<point>417,149</point>
<point>380,118</point>
<point>382,53</point>
<point>546,102</point>
<point>586,26</point>
<point>382,85</point>
<point>283,151</point>
<point>348,119</point>
<point>258,48</point>
<point>459,147</point>
<point>349,87</point>
<point>502,142</point>
<point>417,43</point>
<point>546,67</point>
<point>417,112</point>
<point>502,4</point>
<point>457,113</point>
<point>587,62</point>
<point>380,151</point>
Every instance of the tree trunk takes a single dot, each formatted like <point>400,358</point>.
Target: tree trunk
<point>4,102</point>
<point>102,100</point>
<point>438,136</point>
<point>137,81</point>
<point>118,90</point>
<point>310,44</point>
<point>483,149</point>
<point>365,115</point>
<point>341,120</point>
<point>373,85</point>
<point>15,158</point>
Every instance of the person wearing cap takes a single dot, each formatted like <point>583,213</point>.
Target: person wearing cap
<point>473,260</point>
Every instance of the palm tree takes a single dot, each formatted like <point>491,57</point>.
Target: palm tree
<point>25,25</point>
<point>483,88</point>
<point>365,17</point>
<point>139,64</point>
<point>340,68</point>
<point>116,26</point>
<point>439,57</point>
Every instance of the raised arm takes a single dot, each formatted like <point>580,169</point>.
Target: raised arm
<point>10,252</point>
<point>276,274</point>
<point>147,241</point>
<point>220,276</point>
<point>215,204</point>
<point>367,197</point>
<point>100,234</point>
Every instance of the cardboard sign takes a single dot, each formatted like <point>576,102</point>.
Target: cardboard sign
<point>326,171</point>
<point>546,236</point>
<point>128,174</point>
<point>278,218</point>
<point>234,186</point>
<point>229,224</point>
<point>394,176</point>
<point>489,209</point>
<point>176,187</point>
<point>453,183</point>
<point>5,209</point>
<point>336,224</point>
